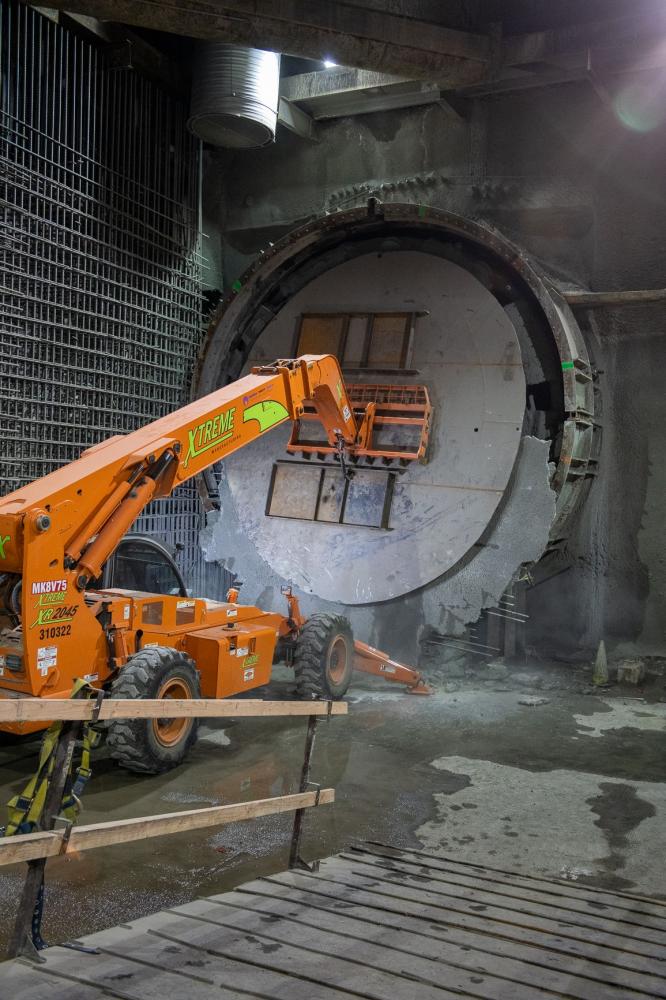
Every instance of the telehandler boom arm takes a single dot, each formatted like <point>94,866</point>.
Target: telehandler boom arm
<point>56,534</point>
<point>92,502</point>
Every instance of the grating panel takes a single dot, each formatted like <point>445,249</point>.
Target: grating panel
<point>301,491</point>
<point>100,284</point>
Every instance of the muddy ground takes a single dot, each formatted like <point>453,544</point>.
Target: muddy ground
<point>529,769</point>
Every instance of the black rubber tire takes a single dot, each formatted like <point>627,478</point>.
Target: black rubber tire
<point>133,742</point>
<point>312,660</point>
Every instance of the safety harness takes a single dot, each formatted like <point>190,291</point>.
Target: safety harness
<point>25,809</point>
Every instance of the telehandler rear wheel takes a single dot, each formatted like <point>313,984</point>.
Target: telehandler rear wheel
<point>324,658</point>
<point>150,746</point>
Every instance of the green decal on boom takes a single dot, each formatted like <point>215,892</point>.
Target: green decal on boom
<point>210,433</point>
<point>3,541</point>
<point>267,414</point>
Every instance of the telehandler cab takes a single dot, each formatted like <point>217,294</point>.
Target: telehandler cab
<point>57,623</point>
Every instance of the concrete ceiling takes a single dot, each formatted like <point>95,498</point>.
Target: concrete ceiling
<point>458,45</point>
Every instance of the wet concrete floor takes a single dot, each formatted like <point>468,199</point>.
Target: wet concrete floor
<point>572,788</point>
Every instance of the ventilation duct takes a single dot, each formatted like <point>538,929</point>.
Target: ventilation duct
<point>235,93</point>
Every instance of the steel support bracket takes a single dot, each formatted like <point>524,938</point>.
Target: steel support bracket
<point>64,826</point>
<point>97,707</point>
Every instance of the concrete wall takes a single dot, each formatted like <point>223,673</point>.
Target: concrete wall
<point>558,173</point>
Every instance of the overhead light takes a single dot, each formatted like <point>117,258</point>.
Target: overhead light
<point>329,64</point>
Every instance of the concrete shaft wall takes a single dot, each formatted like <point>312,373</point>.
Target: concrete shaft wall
<point>558,173</point>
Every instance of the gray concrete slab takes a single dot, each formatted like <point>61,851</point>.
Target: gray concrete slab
<point>467,353</point>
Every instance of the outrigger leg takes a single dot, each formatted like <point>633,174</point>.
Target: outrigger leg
<point>369,660</point>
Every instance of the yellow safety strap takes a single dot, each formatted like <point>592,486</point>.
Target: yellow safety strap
<point>25,809</point>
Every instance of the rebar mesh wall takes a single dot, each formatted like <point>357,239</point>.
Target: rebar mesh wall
<point>100,284</point>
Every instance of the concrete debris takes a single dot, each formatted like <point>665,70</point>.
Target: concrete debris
<point>533,701</point>
<point>496,670</point>
<point>630,671</point>
<point>527,680</point>
<point>454,668</point>
<point>572,873</point>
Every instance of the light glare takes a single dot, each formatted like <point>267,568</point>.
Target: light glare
<point>641,107</point>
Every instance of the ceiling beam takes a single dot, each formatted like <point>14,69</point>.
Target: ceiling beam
<point>351,36</point>
<point>126,49</point>
<point>543,46</point>
<point>342,91</point>
<point>296,120</point>
<point>338,80</point>
<point>572,68</point>
<point>393,52</point>
<point>598,300</point>
<point>363,22</point>
<point>335,93</point>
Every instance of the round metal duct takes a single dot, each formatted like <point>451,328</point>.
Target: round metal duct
<point>235,93</point>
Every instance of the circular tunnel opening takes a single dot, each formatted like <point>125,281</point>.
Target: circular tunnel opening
<point>501,355</point>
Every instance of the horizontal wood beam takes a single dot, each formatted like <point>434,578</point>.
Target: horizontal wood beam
<point>56,709</point>
<point>30,846</point>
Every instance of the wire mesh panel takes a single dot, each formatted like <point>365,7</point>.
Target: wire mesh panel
<point>100,283</point>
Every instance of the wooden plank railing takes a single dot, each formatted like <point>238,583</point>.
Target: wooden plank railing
<point>48,844</point>
<point>60,837</point>
<point>82,710</point>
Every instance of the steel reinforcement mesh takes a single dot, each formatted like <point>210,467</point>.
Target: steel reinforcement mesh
<point>100,283</point>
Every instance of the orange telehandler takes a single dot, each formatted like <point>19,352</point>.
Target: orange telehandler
<point>57,624</point>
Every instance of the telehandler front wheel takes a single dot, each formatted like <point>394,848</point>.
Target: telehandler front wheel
<point>324,658</point>
<point>150,746</point>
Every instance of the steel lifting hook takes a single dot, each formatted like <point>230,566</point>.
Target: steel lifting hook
<point>340,448</point>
